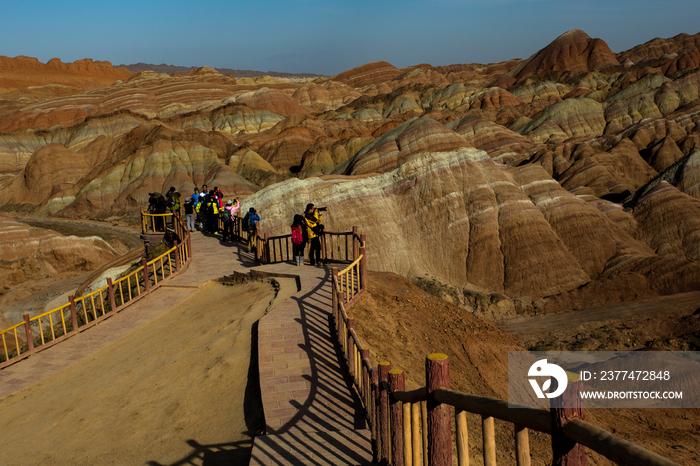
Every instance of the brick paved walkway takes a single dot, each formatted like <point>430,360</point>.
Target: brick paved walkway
<point>312,415</point>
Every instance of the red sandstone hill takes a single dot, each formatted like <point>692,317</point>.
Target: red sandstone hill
<point>368,74</point>
<point>23,72</point>
<point>657,48</point>
<point>572,52</point>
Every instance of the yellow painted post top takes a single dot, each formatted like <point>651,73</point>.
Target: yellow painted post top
<point>395,371</point>
<point>384,363</point>
<point>437,356</point>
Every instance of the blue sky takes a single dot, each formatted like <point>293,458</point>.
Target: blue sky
<point>325,37</point>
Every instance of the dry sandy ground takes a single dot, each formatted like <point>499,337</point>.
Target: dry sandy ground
<point>172,392</point>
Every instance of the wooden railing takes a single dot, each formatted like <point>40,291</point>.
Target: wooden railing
<point>351,282</point>
<point>336,247</point>
<point>86,311</point>
<point>154,223</point>
<point>414,427</point>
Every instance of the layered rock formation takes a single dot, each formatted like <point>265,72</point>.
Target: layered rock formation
<point>29,252</point>
<point>554,182</point>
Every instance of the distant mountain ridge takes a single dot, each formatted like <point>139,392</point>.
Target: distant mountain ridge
<point>171,69</point>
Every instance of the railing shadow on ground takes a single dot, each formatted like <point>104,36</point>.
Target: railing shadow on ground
<point>214,454</point>
<point>301,438</point>
<point>315,322</point>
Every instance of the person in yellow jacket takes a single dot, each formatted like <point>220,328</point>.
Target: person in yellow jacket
<point>314,228</point>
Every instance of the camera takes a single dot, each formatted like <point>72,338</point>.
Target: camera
<point>322,209</point>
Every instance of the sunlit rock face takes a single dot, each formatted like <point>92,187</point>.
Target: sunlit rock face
<point>29,252</point>
<point>481,226</point>
<point>416,137</point>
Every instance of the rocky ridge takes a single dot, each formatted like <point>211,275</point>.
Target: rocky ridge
<point>535,185</point>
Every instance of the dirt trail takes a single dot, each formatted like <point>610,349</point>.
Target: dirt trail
<point>177,388</point>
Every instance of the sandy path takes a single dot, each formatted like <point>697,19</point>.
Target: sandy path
<point>172,391</point>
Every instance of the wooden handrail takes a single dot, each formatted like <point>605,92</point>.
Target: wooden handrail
<point>532,418</point>
<point>612,447</point>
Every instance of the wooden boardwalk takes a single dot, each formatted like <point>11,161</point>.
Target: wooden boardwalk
<point>312,415</point>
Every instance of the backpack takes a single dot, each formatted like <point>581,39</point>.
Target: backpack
<point>226,216</point>
<point>210,207</point>
<point>297,237</point>
<point>246,222</point>
<point>251,223</point>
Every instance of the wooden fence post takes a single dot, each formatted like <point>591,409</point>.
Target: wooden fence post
<point>373,409</point>
<point>355,245</point>
<point>396,384</point>
<point>364,354</point>
<point>73,314</point>
<point>334,294</point>
<point>112,301</point>
<point>363,265</point>
<point>522,446</point>
<point>177,257</point>
<point>339,329</point>
<point>437,375</point>
<point>350,350</point>
<point>28,334</point>
<point>564,408</point>
<point>416,440</point>
<point>238,224</point>
<point>462,437</point>
<point>383,412</point>
<point>488,436</point>
<point>146,280</point>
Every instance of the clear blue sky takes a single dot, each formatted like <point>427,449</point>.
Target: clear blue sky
<point>325,37</point>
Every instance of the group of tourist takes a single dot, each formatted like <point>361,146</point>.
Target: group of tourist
<point>204,208</point>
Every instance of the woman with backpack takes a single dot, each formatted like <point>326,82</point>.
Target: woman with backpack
<point>298,239</point>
